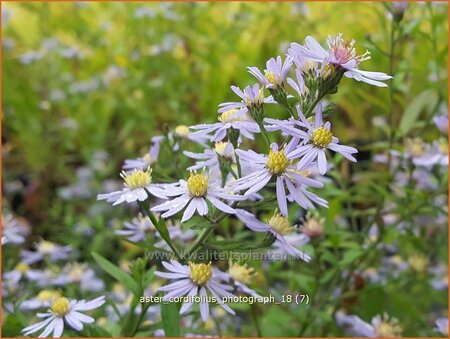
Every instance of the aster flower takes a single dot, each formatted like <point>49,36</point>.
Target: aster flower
<point>233,118</point>
<point>340,53</point>
<point>148,159</point>
<point>194,194</point>
<point>210,157</point>
<point>137,186</point>
<point>48,249</point>
<point>252,96</point>
<point>278,226</point>
<point>194,280</point>
<point>137,229</point>
<point>380,326</point>
<point>442,326</point>
<point>441,121</point>
<point>45,298</point>
<point>64,310</point>
<point>241,275</point>
<point>82,275</point>
<point>275,72</point>
<point>276,164</point>
<point>13,230</point>
<point>21,270</point>
<point>316,140</point>
<point>183,131</point>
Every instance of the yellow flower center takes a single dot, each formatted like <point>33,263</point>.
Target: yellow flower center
<point>220,148</point>
<point>197,184</point>
<point>321,137</point>
<point>47,295</point>
<point>22,267</point>
<point>277,162</point>
<point>45,246</point>
<point>418,262</point>
<point>182,131</point>
<point>137,178</point>
<point>415,146</point>
<point>240,273</point>
<point>272,78</point>
<point>200,273</point>
<point>60,306</point>
<point>389,329</point>
<point>280,224</point>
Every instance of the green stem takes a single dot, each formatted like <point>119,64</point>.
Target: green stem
<point>164,233</point>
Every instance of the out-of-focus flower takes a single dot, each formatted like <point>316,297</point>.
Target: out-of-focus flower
<point>14,231</point>
<point>342,54</point>
<point>137,229</point>
<point>64,310</point>
<point>312,225</point>
<point>418,262</point>
<point>145,12</point>
<point>194,193</point>
<point>45,298</point>
<point>148,159</point>
<point>441,122</point>
<point>30,57</point>
<point>194,280</point>
<point>44,249</point>
<point>82,275</point>
<point>242,275</point>
<point>442,326</point>
<point>210,157</point>
<point>276,164</point>
<point>275,72</point>
<point>137,186</point>
<point>182,131</point>
<point>380,326</point>
<point>278,226</point>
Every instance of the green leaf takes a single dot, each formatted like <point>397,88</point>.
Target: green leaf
<point>116,273</point>
<point>350,257</point>
<point>11,326</point>
<point>426,99</point>
<point>170,319</point>
<point>148,277</point>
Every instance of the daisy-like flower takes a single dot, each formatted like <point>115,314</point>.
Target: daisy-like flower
<point>137,229</point>
<point>210,157</point>
<point>148,159</point>
<point>242,275</point>
<point>195,280</point>
<point>137,186</point>
<point>48,249</point>
<point>275,72</point>
<point>64,310</point>
<point>276,164</point>
<point>82,275</point>
<point>13,231</point>
<point>316,140</point>
<point>182,131</point>
<point>21,270</point>
<point>252,96</point>
<point>277,225</point>
<point>379,327</point>
<point>340,53</point>
<point>45,298</point>
<point>442,326</point>
<point>194,193</point>
<point>234,118</point>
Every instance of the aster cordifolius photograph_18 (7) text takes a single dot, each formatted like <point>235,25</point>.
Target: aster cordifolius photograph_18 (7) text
<point>232,169</point>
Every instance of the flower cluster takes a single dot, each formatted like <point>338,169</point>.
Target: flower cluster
<point>226,176</point>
